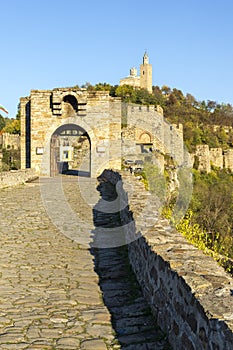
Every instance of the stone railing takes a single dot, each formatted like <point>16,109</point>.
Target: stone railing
<point>16,177</point>
<point>190,295</point>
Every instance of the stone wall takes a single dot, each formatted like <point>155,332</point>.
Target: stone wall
<point>102,117</point>
<point>202,155</point>
<point>10,140</point>
<point>16,177</point>
<point>44,111</point>
<point>147,122</point>
<point>228,159</point>
<point>216,157</point>
<point>189,293</point>
<point>205,157</point>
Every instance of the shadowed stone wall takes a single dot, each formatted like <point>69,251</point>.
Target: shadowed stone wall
<point>190,294</point>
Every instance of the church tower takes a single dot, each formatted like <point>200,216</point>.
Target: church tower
<point>146,74</point>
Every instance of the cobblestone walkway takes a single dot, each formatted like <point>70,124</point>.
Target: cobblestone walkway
<point>58,294</point>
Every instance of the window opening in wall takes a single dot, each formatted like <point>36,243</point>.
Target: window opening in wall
<point>71,100</point>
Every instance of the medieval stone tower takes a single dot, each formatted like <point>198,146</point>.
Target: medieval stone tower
<point>146,74</point>
<point>144,81</point>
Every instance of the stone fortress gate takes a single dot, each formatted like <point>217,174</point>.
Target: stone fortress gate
<point>70,128</point>
<point>83,132</point>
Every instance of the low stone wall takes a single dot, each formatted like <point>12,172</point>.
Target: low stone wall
<point>190,295</point>
<point>16,177</point>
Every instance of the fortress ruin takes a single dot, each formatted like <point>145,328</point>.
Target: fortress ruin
<point>74,129</point>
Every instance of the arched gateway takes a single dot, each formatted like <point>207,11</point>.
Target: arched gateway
<point>70,129</point>
<point>70,151</point>
<point>75,130</point>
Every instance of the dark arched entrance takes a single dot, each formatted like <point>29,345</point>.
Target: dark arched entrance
<point>70,151</point>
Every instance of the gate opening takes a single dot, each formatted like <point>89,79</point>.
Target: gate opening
<point>70,151</point>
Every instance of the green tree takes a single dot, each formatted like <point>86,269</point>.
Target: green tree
<point>126,92</point>
<point>2,122</point>
<point>212,207</point>
<point>13,127</point>
<point>190,99</point>
<point>165,90</point>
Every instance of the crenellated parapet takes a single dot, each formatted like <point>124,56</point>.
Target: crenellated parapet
<point>147,126</point>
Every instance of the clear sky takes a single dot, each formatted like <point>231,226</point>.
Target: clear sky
<point>47,44</point>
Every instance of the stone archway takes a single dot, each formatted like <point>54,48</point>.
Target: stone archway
<point>145,137</point>
<point>70,151</point>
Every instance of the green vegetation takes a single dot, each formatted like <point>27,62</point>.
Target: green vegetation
<point>208,222</point>
<point>212,204</point>
<point>10,159</point>
<point>11,126</point>
<point>154,180</point>
<point>204,122</point>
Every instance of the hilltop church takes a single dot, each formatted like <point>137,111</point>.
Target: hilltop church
<point>144,81</point>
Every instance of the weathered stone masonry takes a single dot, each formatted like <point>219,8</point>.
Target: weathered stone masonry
<point>16,177</point>
<point>44,111</point>
<point>205,157</point>
<point>189,293</point>
<point>115,130</point>
<point>10,140</point>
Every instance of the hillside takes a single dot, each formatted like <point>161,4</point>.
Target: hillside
<point>204,122</point>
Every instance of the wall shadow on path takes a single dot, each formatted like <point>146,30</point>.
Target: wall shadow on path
<point>134,325</point>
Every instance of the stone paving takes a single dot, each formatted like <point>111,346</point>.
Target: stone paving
<point>56,293</point>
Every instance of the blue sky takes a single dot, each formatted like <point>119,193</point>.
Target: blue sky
<point>47,44</point>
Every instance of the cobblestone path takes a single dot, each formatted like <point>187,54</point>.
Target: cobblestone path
<point>56,293</point>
